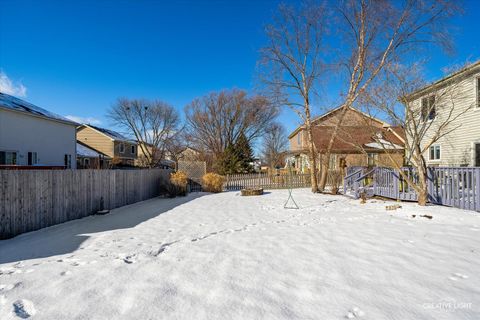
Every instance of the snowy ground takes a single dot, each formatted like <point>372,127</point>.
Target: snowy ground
<point>229,257</point>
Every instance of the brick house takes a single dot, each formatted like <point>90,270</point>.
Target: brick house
<point>361,141</point>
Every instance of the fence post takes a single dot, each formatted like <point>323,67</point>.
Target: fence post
<point>396,181</point>
<point>476,199</point>
<point>431,185</point>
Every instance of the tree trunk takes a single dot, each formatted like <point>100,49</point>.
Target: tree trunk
<point>324,173</point>
<point>311,152</point>
<point>422,184</point>
<point>326,162</point>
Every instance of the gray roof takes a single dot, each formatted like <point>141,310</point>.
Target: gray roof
<point>110,133</point>
<point>16,104</point>
<point>84,151</point>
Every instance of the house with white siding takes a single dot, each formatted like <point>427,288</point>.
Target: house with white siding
<point>33,136</point>
<point>455,97</point>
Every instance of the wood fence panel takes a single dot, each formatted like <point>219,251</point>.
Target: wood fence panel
<point>266,181</point>
<point>35,199</point>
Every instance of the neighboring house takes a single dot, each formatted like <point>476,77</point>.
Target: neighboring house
<point>358,143</point>
<point>32,136</point>
<point>113,145</point>
<point>88,158</point>
<point>142,161</point>
<point>458,93</point>
<point>189,154</point>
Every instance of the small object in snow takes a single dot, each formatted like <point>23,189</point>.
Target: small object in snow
<point>102,208</point>
<point>363,197</point>
<point>414,215</point>
<point>24,308</point>
<point>393,207</point>
<point>251,192</point>
<point>426,216</point>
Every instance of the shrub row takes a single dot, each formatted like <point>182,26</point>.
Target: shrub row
<point>177,186</point>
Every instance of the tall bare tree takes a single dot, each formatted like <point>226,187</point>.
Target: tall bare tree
<point>218,119</point>
<point>291,64</point>
<point>275,146</point>
<point>426,115</point>
<point>153,124</point>
<point>376,34</point>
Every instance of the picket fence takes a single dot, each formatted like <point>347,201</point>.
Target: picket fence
<point>266,181</point>
<point>35,199</point>
<point>450,186</point>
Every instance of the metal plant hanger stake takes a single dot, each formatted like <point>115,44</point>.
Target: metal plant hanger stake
<point>293,204</point>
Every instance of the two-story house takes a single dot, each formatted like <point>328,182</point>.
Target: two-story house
<point>361,141</point>
<point>113,145</point>
<point>33,136</point>
<point>455,101</point>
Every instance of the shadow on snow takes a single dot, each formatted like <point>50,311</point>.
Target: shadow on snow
<point>67,237</point>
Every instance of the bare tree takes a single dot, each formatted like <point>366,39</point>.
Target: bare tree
<point>426,115</point>
<point>292,65</point>
<point>376,34</point>
<point>217,120</point>
<point>151,123</point>
<point>275,145</point>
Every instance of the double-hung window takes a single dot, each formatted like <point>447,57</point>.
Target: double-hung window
<point>428,108</point>
<point>372,159</point>
<point>8,157</point>
<point>435,152</point>
<point>32,158</point>
<point>67,160</point>
<point>477,89</point>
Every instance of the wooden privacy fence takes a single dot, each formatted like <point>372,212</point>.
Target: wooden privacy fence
<point>31,199</point>
<point>195,170</point>
<point>450,186</point>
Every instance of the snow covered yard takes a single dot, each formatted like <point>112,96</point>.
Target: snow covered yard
<point>224,256</point>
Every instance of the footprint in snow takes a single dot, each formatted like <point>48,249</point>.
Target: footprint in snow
<point>129,259</point>
<point>8,287</point>
<point>24,308</point>
<point>355,313</point>
<point>66,273</point>
<point>457,276</point>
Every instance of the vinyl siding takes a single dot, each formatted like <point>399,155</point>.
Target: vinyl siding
<point>457,146</point>
<point>96,140</point>
<point>51,140</point>
<point>127,151</point>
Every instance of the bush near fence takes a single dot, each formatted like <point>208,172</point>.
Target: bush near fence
<point>35,199</point>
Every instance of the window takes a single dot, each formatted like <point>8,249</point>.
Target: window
<point>428,108</point>
<point>32,158</point>
<point>477,154</point>
<point>67,160</point>
<point>435,153</point>
<point>122,148</point>
<point>332,162</point>
<point>372,159</point>
<point>299,138</point>
<point>478,91</point>
<point>132,149</point>
<point>8,157</point>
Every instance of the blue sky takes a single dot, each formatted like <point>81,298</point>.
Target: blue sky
<point>77,57</point>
